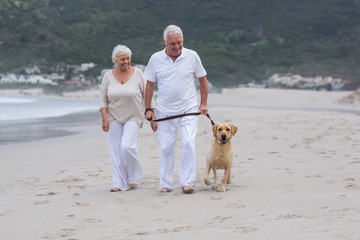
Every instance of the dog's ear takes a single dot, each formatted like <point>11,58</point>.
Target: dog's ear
<point>233,129</point>
<point>214,129</point>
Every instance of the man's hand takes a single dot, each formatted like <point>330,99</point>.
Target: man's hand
<point>203,109</point>
<point>149,114</point>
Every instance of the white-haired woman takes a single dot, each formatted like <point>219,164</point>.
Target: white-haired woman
<point>122,107</point>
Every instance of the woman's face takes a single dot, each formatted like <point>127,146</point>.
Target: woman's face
<point>123,62</point>
<point>174,45</point>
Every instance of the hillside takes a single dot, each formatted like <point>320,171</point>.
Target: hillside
<point>239,41</point>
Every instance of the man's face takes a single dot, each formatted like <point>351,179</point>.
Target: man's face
<point>174,45</point>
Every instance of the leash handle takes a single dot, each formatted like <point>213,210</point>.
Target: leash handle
<point>182,115</point>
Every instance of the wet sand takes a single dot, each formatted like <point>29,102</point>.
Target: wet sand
<point>19,131</point>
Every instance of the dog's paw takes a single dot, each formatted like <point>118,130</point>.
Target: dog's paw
<point>220,188</point>
<point>206,181</point>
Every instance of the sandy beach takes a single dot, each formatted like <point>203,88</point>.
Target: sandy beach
<point>295,176</point>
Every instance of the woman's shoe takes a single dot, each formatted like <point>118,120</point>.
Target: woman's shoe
<point>115,190</point>
<point>165,190</point>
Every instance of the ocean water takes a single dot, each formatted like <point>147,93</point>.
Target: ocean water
<point>33,108</point>
<point>31,119</point>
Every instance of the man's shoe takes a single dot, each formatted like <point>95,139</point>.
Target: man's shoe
<point>132,186</point>
<point>187,190</point>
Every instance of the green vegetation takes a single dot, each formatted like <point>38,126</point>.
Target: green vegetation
<point>239,41</point>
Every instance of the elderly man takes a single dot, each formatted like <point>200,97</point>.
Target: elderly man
<point>174,70</point>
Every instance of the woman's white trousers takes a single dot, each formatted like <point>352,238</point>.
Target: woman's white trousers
<point>123,153</point>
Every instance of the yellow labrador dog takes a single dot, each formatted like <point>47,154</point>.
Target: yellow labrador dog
<point>221,154</point>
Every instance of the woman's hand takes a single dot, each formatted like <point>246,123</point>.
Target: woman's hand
<point>153,126</point>
<point>105,126</point>
<point>150,116</point>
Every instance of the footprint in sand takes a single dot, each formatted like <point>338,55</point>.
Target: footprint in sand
<point>47,194</point>
<point>94,174</point>
<point>69,179</point>
<point>64,233</point>
<point>222,218</point>
<point>246,229</point>
<point>30,181</point>
<point>5,214</point>
<point>67,232</point>
<point>313,176</point>
<point>41,202</point>
<point>354,162</point>
<point>79,204</point>
<point>216,198</point>
<point>141,233</point>
<point>352,186</point>
<point>287,170</point>
<point>235,205</point>
<point>92,220</point>
<point>288,216</point>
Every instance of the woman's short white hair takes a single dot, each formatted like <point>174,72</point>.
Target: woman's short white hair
<point>120,50</point>
<point>171,29</point>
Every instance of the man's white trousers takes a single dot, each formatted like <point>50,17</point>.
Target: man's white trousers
<point>167,134</point>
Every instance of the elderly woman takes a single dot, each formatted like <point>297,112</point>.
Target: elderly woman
<point>122,108</point>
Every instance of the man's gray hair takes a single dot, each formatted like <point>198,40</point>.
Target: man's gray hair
<point>171,29</point>
<point>120,50</point>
